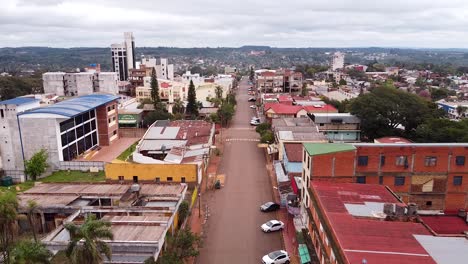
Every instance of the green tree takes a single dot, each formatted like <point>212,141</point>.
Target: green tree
<point>267,137</point>
<point>342,82</point>
<point>442,130</point>
<point>156,115</point>
<point>184,244</point>
<point>261,128</point>
<point>385,108</point>
<point>30,252</point>
<point>219,92</point>
<point>32,209</point>
<point>225,113</point>
<point>8,224</point>
<point>86,241</point>
<point>461,110</point>
<point>178,107</point>
<point>143,102</point>
<point>155,99</point>
<point>304,90</point>
<point>192,107</point>
<point>183,211</point>
<point>37,164</point>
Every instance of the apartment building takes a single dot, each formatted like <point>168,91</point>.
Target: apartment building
<point>82,83</point>
<point>163,69</point>
<point>338,127</point>
<point>432,175</point>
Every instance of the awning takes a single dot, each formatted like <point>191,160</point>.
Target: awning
<point>304,254</point>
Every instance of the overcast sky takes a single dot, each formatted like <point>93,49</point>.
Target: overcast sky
<point>216,23</point>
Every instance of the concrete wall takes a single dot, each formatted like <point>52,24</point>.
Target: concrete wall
<point>53,82</point>
<point>108,83</point>
<point>149,172</point>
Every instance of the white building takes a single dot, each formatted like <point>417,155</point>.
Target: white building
<point>164,70</point>
<point>194,77</point>
<point>82,83</point>
<point>11,158</point>
<point>337,61</point>
<point>123,56</point>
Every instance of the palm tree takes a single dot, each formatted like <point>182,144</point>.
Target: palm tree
<point>86,244</point>
<point>30,252</point>
<point>178,107</point>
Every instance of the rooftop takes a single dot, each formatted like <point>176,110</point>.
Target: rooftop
<point>19,101</point>
<point>446,224</point>
<point>320,108</point>
<point>283,108</point>
<point>293,151</point>
<point>74,106</point>
<point>314,149</point>
<point>369,237</point>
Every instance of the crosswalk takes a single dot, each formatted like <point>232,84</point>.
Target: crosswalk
<point>242,139</point>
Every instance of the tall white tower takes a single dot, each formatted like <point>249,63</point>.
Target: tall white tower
<point>123,56</point>
<point>337,61</point>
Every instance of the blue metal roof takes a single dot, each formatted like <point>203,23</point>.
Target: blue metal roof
<point>75,106</point>
<point>18,101</point>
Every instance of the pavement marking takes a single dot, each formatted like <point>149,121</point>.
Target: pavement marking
<point>242,139</point>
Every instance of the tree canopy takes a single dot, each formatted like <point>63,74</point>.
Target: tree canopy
<point>37,164</point>
<point>192,107</point>
<point>385,109</point>
<point>155,99</point>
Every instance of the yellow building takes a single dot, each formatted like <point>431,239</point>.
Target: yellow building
<point>185,173</point>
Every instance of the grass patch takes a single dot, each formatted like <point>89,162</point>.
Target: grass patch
<point>124,155</point>
<point>74,176</point>
<point>58,176</point>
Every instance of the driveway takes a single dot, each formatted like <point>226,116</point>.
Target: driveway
<point>232,232</point>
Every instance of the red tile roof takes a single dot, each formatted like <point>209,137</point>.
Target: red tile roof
<point>377,241</point>
<point>165,85</point>
<point>446,224</point>
<point>285,98</point>
<point>293,151</point>
<point>321,109</point>
<point>284,109</point>
<point>194,131</point>
<point>268,74</point>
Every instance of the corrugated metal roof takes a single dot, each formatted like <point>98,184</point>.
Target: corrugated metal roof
<point>325,148</point>
<point>453,250</point>
<point>74,106</point>
<point>162,132</point>
<point>157,144</point>
<point>18,101</point>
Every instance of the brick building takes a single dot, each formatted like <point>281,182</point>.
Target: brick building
<point>367,223</point>
<point>434,176</point>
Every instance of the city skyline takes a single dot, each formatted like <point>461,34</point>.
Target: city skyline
<point>207,23</point>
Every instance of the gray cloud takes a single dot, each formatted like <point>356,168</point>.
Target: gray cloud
<point>201,23</point>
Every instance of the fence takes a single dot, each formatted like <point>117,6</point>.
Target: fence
<point>81,165</point>
<point>132,132</point>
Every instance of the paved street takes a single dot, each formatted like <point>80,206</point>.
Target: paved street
<point>232,232</point>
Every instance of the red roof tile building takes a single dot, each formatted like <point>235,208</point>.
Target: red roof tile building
<point>347,223</point>
<point>432,175</point>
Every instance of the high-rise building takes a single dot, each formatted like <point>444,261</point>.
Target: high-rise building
<point>337,61</point>
<point>163,69</point>
<point>123,56</point>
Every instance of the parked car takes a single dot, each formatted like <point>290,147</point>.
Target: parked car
<point>269,207</point>
<point>254,122</point>
<point>255,119</point>
<point>252,99</point>
<point>272,225</point>
<point>253,107</point>
<point>276,257</point>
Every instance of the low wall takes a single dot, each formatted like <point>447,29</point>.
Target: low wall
<point>81,165</point>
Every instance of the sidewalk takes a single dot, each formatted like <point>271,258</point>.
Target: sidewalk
<point>288,235</point>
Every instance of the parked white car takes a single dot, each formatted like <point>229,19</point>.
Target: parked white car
<point>254,122</point>
<point>272,225</point>
<point>253,107</point>
<point>276,257</point>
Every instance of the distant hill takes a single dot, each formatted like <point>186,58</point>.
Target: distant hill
<point>68,59</point>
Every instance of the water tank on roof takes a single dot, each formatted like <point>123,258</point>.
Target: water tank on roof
<point>400,210</point>
<point>388,208</point>
<point>135,187</point>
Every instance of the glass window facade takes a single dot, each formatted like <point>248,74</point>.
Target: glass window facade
<point>78,135</point>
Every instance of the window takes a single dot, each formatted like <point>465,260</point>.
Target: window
<point>304,156</point>
<point>380,180</point>
<point>382,160</point>
<point>308,162</point>
<point>362,160</point>
<point>399,180</point>
<point>402,161</point>
<point>460,160</point>
<point>430,161</point>
<point>457,180</point>
<point>157,180</point>
<point>135,179</point>
<point>361,179</point>
<point>121,178</point>
<point>1,113</point>
<point>429,203</point>
<point>182,180</point>
<point>115,132</point>
<point>169,179</point>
